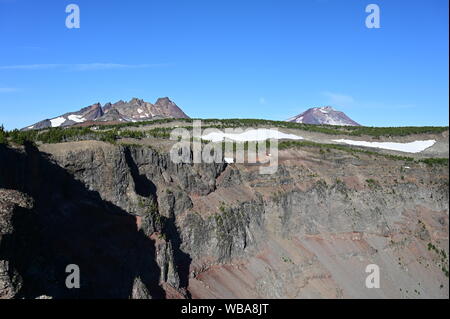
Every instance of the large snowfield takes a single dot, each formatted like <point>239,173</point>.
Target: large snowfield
<point>264,134</point>
<point>412,147</point>
<point>250,136</point>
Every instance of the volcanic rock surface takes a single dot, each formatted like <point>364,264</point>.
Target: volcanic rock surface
<point>323,115</point>
<point>140,226</point>
<point>133,111</point>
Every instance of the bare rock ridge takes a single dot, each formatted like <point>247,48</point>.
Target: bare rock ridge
<point>323,115</point>
<point>133,111</point>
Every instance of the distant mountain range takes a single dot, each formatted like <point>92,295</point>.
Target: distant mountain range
<point>137,110</point>
<point>323,115</point>
<point>132,111</point>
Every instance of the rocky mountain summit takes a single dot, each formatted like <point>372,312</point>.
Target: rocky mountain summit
<point>323,115</point>
<point>133,111</point>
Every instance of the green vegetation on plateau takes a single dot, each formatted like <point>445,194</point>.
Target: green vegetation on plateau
<point>298,144</point>
<point>111,133</point>
<point>326,129</point>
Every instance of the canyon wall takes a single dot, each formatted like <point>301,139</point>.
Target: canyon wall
<point>140,226</point>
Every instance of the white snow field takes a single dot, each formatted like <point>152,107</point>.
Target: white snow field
<point>250,135</point>
<point>77,118</point>
<point>412,147</point>
<point>57,121</point>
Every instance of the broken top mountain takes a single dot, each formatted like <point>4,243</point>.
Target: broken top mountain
<point>133,111</point>
<point>323,115</point>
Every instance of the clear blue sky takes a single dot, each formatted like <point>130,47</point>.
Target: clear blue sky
<point>227,58</point>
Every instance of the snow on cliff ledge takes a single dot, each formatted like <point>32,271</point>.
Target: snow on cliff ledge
<point>412,147</point>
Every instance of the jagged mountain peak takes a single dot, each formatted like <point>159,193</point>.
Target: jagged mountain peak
<point>163,100</point>
<point>133,111</point>
<point>136,100</point>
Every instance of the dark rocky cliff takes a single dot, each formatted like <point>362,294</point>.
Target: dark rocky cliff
<point>140,226</point>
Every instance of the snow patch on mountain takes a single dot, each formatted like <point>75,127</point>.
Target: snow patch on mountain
<point>412,147</point>
<point>57,122</point>
<point>76,118</point>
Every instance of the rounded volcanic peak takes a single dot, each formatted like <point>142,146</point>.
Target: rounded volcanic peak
<point>325,108</point>
<point>326,115</point>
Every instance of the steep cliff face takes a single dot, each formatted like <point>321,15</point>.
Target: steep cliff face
<point>311,230</point>
<point>140,226</point>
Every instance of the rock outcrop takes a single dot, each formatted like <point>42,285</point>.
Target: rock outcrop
<point>166,230</point>
<point>120,112</point>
